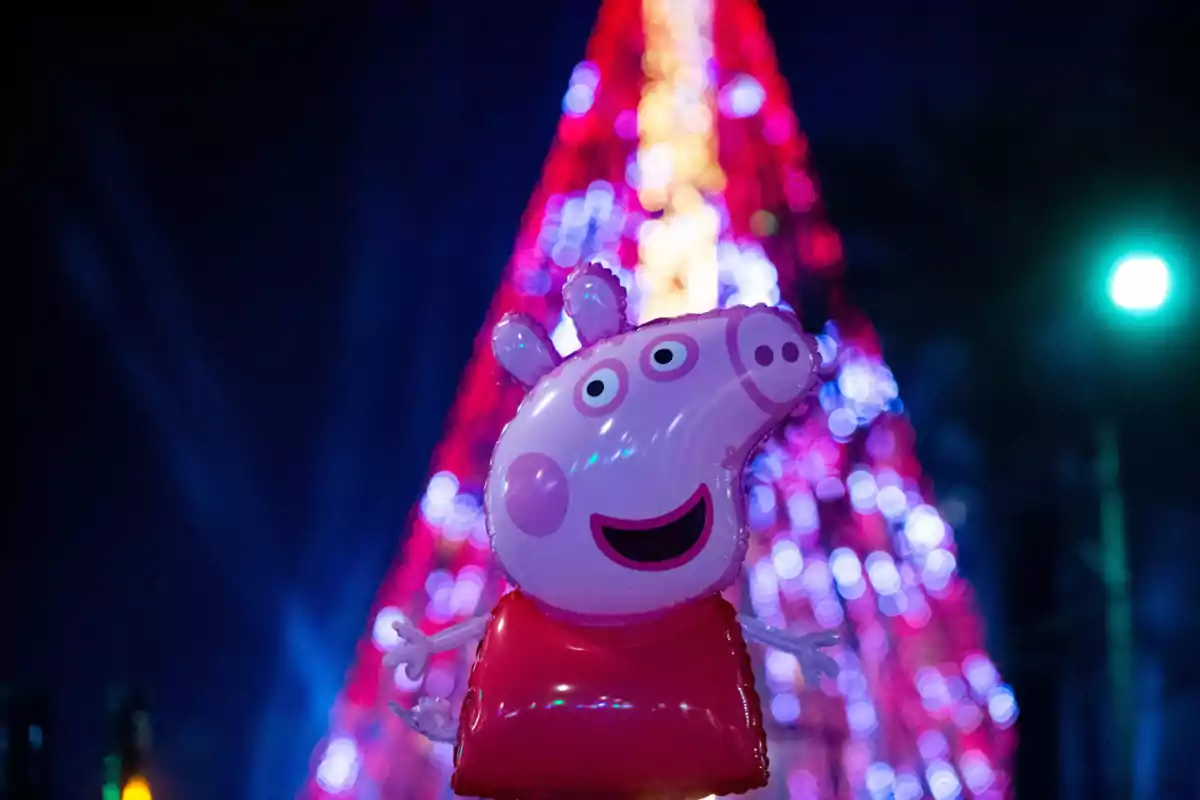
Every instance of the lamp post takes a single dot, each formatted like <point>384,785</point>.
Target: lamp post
<point>1139,285</point>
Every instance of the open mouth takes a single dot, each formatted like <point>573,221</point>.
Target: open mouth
<point>661,543</point>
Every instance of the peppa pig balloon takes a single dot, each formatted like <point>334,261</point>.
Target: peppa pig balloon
<point>614,503</point>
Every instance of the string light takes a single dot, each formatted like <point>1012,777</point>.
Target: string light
<point>677,164</point>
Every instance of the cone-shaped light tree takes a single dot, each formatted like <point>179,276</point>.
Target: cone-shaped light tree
<point>680,166</point>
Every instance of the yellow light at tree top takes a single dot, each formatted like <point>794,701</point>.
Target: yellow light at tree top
<point>677,161</point>
<point>136,789</point>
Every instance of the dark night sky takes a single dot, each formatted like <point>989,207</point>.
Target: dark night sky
<point>229,227</point>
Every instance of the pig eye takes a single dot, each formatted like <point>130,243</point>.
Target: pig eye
<point>669,357</point>
<point>601,389</point>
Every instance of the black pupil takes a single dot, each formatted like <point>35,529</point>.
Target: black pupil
<point>595,388</point>
<point>663,356</point>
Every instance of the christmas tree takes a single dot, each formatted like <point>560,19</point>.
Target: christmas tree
<point>679,165</point>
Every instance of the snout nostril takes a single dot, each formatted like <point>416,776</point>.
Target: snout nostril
<point>763,355</point>
<point>790,352</point>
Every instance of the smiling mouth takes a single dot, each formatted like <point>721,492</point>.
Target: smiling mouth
<point>661,543</point>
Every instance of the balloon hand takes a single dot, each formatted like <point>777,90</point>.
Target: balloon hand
<point>431,717</point>
<point>806,648</point>
<point>413,650</point>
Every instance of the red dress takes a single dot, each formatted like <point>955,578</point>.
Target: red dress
<point>661,708</point>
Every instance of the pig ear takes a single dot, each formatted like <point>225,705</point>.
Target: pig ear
<point>523,348</point>
<point>595,301</point>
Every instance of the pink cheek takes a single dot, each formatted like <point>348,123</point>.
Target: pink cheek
<point>536,494</point>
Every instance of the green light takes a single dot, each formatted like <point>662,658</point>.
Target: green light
<point>111,792</point>
<point>1140,283</point>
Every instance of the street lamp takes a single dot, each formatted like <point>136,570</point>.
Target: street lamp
<point>1139,284</point>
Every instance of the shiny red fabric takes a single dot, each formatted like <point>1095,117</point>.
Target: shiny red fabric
<point>660,708</point>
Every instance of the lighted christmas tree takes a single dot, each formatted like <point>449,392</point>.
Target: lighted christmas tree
<point>679,165</point>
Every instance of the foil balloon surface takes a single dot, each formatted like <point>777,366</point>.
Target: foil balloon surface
<point>661,707</point>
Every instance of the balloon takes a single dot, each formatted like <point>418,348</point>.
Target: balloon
<point>614,504</point>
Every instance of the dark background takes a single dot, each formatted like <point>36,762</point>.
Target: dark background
<point>228,224</point>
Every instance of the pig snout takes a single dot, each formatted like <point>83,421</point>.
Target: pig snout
<point>773,358</point>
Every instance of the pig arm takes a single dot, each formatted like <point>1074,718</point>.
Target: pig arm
<point>806,648</point>
<point>457,635</point>
<point>415,647</point>
<point>431,717</point>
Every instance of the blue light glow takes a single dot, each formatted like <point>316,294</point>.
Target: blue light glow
<point>742,97</point>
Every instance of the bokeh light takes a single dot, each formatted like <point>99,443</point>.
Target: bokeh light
<point>1140,283</point>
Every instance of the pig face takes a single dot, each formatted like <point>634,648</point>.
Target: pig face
<point>615,491</point>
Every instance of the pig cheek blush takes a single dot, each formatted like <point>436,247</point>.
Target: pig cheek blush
<point>536,494</point>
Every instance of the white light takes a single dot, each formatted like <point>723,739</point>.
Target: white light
<point>880,778</point>
<point>762,501</point>
<point>908,787</point>
<point>802,511</point>
<point>437,580</point>
<point>855,382</point>
<point>578,100</point>
<point>1002,706</point>
<point>862,490</point>
<point>464,597</point>
<point>925,528</point>
<point>980,673</point>
<point>382,633</point>
<point>943,783</point>
<point>781,666</point>
<point>817,578</point>
<point>891,501</point>
<point>830,488</point>
<point>861,717</point>
<point>438,502</point>
<point>842,423</point>
<point>338,769</point>
<point>851,683</point>
<point>442,487</point>
<point>750,273</point>
<point>1140,283</point>
<point>976,771</point>
<point>405,683</point>
<point>743,97</point>
<point>883,573</point>
<point>598,201</point>
<point>585,74</point>
<point>828,613</point>
<point>932,745</point>
<point>655,167</point>
<point>939,569</point>
<point>844,565</point>
<point>787,559</point>
<point>764,583</point>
